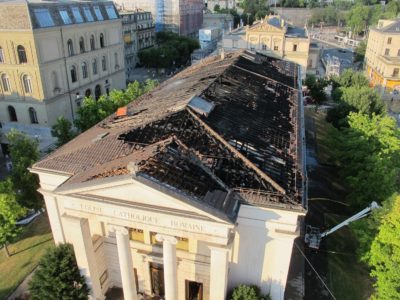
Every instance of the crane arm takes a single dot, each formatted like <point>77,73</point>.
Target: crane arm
<point>356,217</point>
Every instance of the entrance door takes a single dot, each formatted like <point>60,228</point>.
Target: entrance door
<point>194,290</point>
<point>157,279</point>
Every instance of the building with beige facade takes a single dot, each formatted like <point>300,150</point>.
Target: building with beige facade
<point>52,54</point>
<point>272,36</point>
<point>195,188</point>
<point>382,57</point>
<point>138,33</point>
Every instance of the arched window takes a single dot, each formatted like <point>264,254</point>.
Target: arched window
<point>12,114</point>
<point>21,55</point>
<point>5,82</point>
<point>27,83</point>
<point>97,91</point>
<point>81,45</point>
<point>54,78</point>
<point>1,55</point>
<point>92,43</point>
<point>116,60</point>
<point>101,40</point>
<point>70,46</point>
<point>33,115</point>
<point>94,66</point>
<point>73,74</point>
<point>84,70</point>
<point>104,63</point>
<point>88,92</point>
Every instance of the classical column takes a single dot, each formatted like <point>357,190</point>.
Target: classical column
<point>218,273</point>
<point>169,259</point>
<point>125,263</point>
<point>77,233</point>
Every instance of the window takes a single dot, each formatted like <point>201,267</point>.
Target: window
<point>104,64</point>
<point>276,48</point>
<point>73,74</point>
<point>97,11</point>
<point>92,43</point>
<point>88,92</point>
<point>12,114</point>
<point>88,14</point>
<point>5,82</point>
<point>111,12</point>
<point>1,55</point>
<point>70,47</point>
<point>264,47</point>
<point>65,17</point>
<point>94,66</point>
<point>136,235</point>
<point>33,115</point>
<point>81,45</point>
<point>389,41</point>
<point>21,55</point>
<point>43,17</point>
<point>54,78</point>
<point>27,83</point>
<point>116,60</point>
<point>396,72</point>
<point>101,40</point>
<point>387,51</point>
<point>294,47</point>
<point>84,70</point>
<point>77,15</point>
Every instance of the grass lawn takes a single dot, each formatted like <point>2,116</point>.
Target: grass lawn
<point>347,277</point>
<point>26,253</point>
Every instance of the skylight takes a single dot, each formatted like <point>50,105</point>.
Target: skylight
<point>43,17</point>
<point>65,17</point>
<point>88,14</point>
<point>111,12</point>
<point>98,13</point>
<point>77,15</point>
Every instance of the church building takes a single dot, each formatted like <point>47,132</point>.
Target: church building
<point>190,190</point>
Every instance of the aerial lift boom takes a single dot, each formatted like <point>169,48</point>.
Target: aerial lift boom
<point>313,236</point>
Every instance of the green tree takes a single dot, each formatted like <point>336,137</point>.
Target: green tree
<point>363,99</point>
<point>58,277</point>
<point>10,212</point>
<point>91,111</point>
<point>248,292</point>
<point>357,18</point>
<point>24,152</point>
<point>360,51</point>
<point>384,256</point>
<point>368,153</point>
<point>217,8</point>
<point>316,88</point>
<point>63,131</point>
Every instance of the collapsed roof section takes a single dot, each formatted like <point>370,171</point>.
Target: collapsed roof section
<point>220,132</point>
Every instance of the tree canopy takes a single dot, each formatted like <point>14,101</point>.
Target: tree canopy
<point>24,152</point>
<point>63,131</point>
<point>171,50</point>
<point>10,212</point>
<point>91,112</point>
<point>58,276</point>
<point>316,88</point>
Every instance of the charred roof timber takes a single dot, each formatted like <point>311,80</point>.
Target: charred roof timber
<point>218,133</point>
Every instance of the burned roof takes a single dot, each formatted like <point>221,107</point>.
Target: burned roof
<point>221,132</point>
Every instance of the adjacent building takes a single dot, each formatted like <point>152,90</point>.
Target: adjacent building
<point>382,57</point>
<point>221,21</point>
<point>138,33</point>
<point>183,17</point>
<point>223,4</point>
<point>272,36</point>
<point>52,54</point>
<point>192,189</point>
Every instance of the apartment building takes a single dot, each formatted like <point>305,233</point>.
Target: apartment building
<point>382,57</point>
<point>52,54</point>
<point>138,33</point>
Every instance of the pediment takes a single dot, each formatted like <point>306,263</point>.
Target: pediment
<point>265,27</point>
